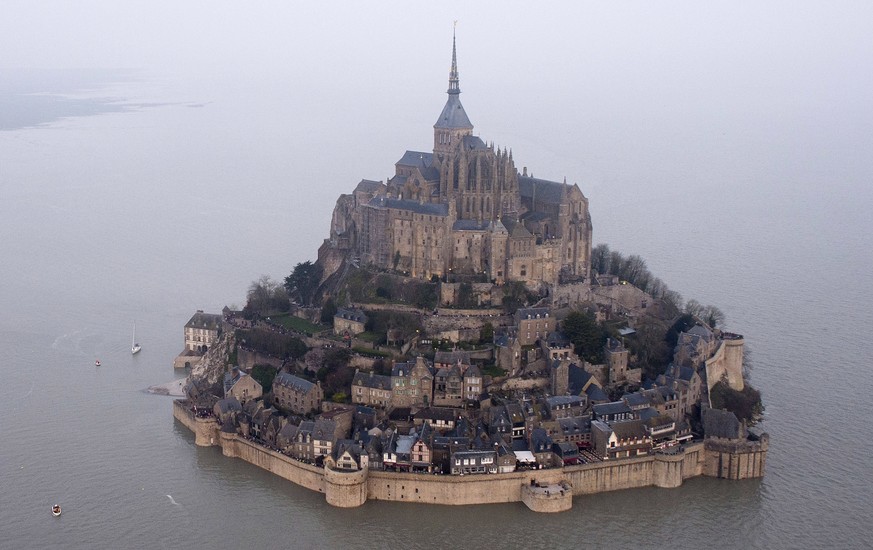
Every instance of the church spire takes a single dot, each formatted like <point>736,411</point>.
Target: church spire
<point>453,123</point>
<point>454,80</point>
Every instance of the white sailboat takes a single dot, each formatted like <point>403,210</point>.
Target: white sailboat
<point>134,347</point>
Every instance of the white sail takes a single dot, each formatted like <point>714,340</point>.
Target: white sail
<point>134,347</point>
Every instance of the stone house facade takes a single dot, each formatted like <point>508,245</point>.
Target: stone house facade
<point>296,395</point>
<point>372,390</point>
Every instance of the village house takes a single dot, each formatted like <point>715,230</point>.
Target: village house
<point>448,390</point>
<point>411,384</point>
<point>474,462</point>
<point>438,418</point>
<point>303,448</point>
<point>241,386</point>
<point>445,359</point>
<point>349,322</point>
<point>620,440</point>
<point>474,384</point>
<point>564,406</point>
<point>372,390</point>
<point>348,456</point>
<point>615,411</point>
<point>201,331</point>
<point>294,394</point>
<point>532,324</point>
<point>556,346</point>
<point>324,435</point>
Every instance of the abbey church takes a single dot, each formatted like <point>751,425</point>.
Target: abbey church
<point>464,209</point>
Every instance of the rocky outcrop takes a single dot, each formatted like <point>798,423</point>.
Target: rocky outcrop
<point>209,371</point>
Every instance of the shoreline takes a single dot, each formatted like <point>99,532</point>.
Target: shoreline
<point>172,389</point>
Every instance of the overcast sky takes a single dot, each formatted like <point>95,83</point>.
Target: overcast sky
<point>609,95</point>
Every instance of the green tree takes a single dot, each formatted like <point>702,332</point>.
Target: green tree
<point>486,336</point>
<point>328,310</point>
<point>587,336</point>
<point>515,295</point>
<point>264,374</point>
<point>746,404</point>
<point>304,281</point>
<point>600,258</point>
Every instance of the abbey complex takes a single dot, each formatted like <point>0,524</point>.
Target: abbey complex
<point>464,208</point>
<point>460,341</point>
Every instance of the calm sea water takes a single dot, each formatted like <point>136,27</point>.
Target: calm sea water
<point>166,199</point>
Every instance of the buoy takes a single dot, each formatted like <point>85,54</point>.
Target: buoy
<point>56,510</point>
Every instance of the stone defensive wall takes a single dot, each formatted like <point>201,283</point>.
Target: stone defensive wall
<point>205,429</point>
<point>730,459</point>
<point>726,362</point>
<point>549,490</point>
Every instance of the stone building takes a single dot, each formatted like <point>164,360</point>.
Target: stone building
<point>349,322</point>
<point>532,324</point>
<point>201,331</point>
<point>241,386</point>
<point>372,390</point>
<point>411,384</point>
<point>295,394</point>
<point>463,208</point>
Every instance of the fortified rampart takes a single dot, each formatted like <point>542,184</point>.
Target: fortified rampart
<point>549,490</point>
<point>726,362</point>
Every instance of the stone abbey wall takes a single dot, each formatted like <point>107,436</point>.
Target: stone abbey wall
<point>549,490</point>
<point>726,362</point>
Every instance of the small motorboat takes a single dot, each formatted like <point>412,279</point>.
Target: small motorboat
<point>56,510</point>
<point>97,363</point>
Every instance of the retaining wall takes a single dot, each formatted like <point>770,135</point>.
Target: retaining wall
<point>350,489</point>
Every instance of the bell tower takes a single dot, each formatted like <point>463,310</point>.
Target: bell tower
<point>453,123</point>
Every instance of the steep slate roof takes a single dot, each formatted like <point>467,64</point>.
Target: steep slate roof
<point>576,425</point>
<point>352,315</point>
<point>228,405</point>
<point>370,380</point>
<point>415,159</point>
<point>596,393</point>
<point>557,339</point>
<point>473,142</point>
<point>294,382</point>
<point>453,115</point>
<point>636,399</point>
<point>629,429</point>
<point>472,371</point>
<point>615,407</point>
<point>210,321</point>
<point>324,429</point>
<point>721,423</point>
<point>532,313</point>
<point>543,190</point>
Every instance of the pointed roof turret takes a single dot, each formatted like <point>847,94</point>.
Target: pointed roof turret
<point>453,115</point>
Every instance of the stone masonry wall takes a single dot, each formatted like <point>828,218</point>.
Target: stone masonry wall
<point>349,489</point>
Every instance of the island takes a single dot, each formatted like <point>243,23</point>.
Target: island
<point>459,340</point>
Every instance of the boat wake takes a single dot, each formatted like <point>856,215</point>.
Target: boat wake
<point>173,501</point>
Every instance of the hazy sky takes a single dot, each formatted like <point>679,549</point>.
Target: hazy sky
<point>623,98</point>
